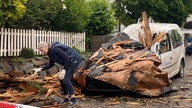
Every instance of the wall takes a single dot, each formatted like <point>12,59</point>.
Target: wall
<point>97,41</point>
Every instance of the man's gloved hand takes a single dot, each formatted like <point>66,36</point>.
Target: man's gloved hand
<point>62,74</point>
<point>36,71</point>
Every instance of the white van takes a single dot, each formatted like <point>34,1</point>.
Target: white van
<point>170,50</point>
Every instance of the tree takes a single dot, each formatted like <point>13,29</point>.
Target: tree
<point>38,14</point>
<point>102,21</point>
<point>11,10</point>
<point>188,4</point>
<point>60,15</point>
<point>127,12</point>
<point>74,18</point>
<point>164,11</point>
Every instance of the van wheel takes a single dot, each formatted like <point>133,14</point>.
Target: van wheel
<point>181,70</point>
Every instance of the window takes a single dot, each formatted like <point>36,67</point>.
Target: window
<point>176,38</point>
<point>165,45</point>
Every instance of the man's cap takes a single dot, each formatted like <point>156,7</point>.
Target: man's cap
<point>42,44</point>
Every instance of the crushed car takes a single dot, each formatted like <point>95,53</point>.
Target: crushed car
<point>168,45</point>
<point>141,60</point>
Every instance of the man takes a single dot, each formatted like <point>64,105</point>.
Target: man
<point>69,59</point>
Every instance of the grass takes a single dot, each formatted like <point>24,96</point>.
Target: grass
<point>37,86</point>
<point>18,59</point>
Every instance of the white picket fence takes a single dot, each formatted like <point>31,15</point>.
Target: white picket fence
<point>13,40</point>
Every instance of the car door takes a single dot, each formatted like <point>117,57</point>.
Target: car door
<point>166,54</point>
<point>177,46</point>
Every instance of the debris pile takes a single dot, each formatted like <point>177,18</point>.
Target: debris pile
<point>30,89</point>
<point>126,64</point>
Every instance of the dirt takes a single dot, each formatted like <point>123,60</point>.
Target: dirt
<point>180,97</point>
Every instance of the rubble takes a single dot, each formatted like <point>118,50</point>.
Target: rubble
<point>126,63</point>
<point>27,89</point>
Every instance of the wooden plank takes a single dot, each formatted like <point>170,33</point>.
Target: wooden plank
<point>5,43</point>
<point>18,41</point>
<point>9,42</point>
<point>28,98</point>
<point>2,41</point>
<point>147,31</point>
<point>14,41</point>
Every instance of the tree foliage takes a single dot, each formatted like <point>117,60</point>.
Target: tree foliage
<point>188,4</point>
<point>164,11</point>
<point>102,21</point>
<point>94,16</point>
<point>74,18</point>
<point>60,15</point>
<point>11,10</point>
<point>127,11</point>
<point>38,14</point>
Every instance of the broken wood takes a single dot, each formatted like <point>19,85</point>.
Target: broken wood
<point>27,99</point>
<point>133,103</point>
<point>7,77</point>
<point>147,31</point>
<point>26,89</point>
<point>159,37</point>
<point>100,60</point>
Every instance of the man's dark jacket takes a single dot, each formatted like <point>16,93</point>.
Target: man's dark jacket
<point>61,54</point>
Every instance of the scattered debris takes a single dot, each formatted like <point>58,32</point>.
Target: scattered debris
<point>133,103</point>
<point>27,89</point>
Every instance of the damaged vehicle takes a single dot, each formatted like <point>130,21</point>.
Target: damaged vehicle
<point>139,60</point>
<point>168,45</point>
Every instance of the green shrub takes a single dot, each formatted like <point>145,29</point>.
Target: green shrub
<point>78,50</point>
<point>27,52</point>
<point>36,85</point>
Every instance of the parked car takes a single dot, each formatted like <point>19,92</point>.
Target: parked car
<point>170,50</point>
